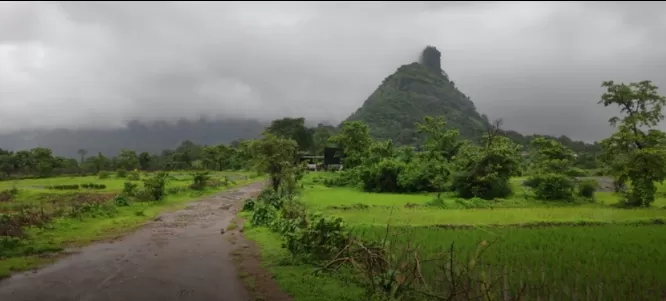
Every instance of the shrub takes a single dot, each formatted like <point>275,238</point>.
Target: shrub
<point>121,173</point>
<point>263,214</point>
<point>65,187</point>
<point>155,187</point>
<point>248,205</point>
<point>551,187</point>
<point>120,201</point>
<point>382,177</point>
<point>8,194</point>
<point>467,185</point>
<point>103,174</point>
<point>321,238</point>
<point>199,180</point>
<point>129,188</point>
<point>587,187</point>
<point>134,176</point>
<point>270,197</point>
<point>93,186</point>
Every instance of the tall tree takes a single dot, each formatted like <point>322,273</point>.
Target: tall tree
<point>82,153</point>
<point>276,156</point>
<point>635,152</point>
<point>294,129</point>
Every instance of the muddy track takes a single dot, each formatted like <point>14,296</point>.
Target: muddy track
<point>180,256</point>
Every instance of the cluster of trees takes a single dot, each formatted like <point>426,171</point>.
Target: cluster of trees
<point>40,162</point>
<point>635,153</point>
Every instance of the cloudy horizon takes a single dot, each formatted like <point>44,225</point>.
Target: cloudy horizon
<point>537,65</point>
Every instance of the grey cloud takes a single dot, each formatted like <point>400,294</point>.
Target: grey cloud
<point>100,64</point>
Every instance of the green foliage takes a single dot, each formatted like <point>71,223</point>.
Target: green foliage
<point>121,201</point>
<point>587,187</point>
<point>552,186</point>
<point>636,151</point>
<point>199,180</point>
<point>8,195</point>
<point>127,160</point>
<point>276,156</point>
<point>130,189</point>
<point>103,175</point>
<point>263,214</point>
<point>154,187</point>
<point>320,238</point>
<point>93,186</point>
<point>484,171</point>
<point>412,93</point>
<point>121,173</point>
<point>293,129</point>
<point>383,176</point>
<point>134,176</point>
<point>64,187</point>
<point>248,205</point>
<point>355,141</point>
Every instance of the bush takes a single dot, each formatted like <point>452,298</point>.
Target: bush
<point>577,172</point>
<point>121,173</point>
<point>467,185</point>
<point>65,187</point>
<point>134,176</point>
<point>129,188</point>
<point>270,197</point>
<point>103,174</point>
<point>587,188</point>
<point>551,187</point>
<point>120,201</point>
<point>347,177</point>
<point>319,239</point>
<point>93,186</point>
<point>8,194</point>
<point>154,188</point>
<point>382,177</point>
<point>248,205</point>
<point>199,180</point>
<point>263,214</point>
<point>416,177</point>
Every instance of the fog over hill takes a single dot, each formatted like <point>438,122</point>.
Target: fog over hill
<point>75,74</point>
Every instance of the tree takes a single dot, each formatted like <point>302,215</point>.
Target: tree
<point>144,160</point>
<point>277,157</point>
<point>320,138</point>
<point>441,145</point>
<point>354,140</point>
<point>82,153</point>
<point>127,160</point>
<point>42,161</point>
<point>8,162</point>
<point>635,152</point>
<point>550,156</point>
<point>484,170</point>
<point>551,165</point>
<point>294,129</point>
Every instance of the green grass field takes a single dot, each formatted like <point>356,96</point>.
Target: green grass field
<point>539,243</point>
<point>43,244</point>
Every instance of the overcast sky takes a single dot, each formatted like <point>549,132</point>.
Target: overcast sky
<point>537,65</point>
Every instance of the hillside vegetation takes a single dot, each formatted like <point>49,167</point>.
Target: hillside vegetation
<point>470,220</point>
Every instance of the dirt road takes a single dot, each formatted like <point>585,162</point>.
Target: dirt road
<point>180,256</point>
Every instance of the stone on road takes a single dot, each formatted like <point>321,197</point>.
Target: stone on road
<point>179,256</point>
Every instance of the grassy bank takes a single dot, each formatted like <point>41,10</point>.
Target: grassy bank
<point>559,255</point>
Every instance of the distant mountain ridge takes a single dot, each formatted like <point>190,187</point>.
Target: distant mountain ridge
<point>153,137</point>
